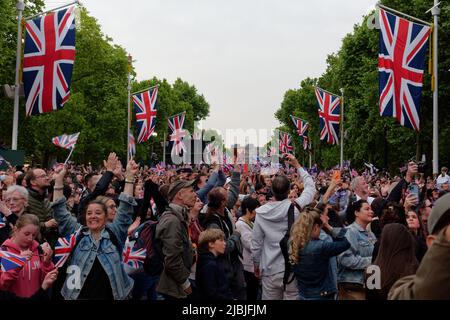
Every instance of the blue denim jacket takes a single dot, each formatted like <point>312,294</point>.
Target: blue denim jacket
<point>87,250</point>
<point>353,262</point>
<point>332,268</point>
<point>314,272</point>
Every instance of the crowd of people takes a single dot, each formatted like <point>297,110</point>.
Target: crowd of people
<point>215,232</point>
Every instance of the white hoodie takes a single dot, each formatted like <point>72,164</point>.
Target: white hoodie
<point>271,224</point>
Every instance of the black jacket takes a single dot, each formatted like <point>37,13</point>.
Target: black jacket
<point>100,189</point>
<point>151,190</point>
<point>210,279</point>
<point>5,232</point>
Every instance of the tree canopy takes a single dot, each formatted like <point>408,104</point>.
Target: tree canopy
<point>97,106</point>
<point>355,69</point>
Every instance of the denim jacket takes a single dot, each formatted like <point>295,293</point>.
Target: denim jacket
<point>313,271</point>
<point>353,262</point>
<point>88,249</point>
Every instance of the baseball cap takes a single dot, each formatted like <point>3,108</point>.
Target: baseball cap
<point>440,208</point>
<point>177,186</point>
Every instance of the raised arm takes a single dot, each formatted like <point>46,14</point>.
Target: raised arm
<point>127,202</point>
<point>67,224</point>
<point>309,190</point>
<point>233,191</point>
<point>151,190</point>
<point>212,181</point>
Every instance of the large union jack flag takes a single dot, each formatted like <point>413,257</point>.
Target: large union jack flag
<point>302,130</point>
<point>329,112</point>
<point>400,67</point>
<point>11,261</point>
<point>285,143</point>
<point>176,124</point>
<point>48,59</point>
<point>145,107</point>
<point>66,141</point>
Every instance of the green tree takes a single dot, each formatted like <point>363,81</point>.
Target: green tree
<point>97,106</point>
<point>355,68</point>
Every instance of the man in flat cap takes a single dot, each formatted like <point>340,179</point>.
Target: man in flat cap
<point>172,241</point>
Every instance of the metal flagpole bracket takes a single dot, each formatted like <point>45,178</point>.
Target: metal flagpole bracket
<point>20,5</point>
<point>435,10</point>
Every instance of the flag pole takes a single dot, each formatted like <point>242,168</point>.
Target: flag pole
<point>70,154</point>
<point>130,60</point>
<point>342,127</point>
<point>435,11</point>
<point>54,9</point>
<point>20,7</point>
<point>310,152</point>
<point>333,94</point>
<point>164,148</point>
<point>146,89</point>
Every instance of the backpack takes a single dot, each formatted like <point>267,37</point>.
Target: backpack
<point>62,271</point>
<point>144,237</point>
<point>288,268</point>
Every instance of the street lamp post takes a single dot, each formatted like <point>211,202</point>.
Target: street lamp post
<point>20,7</point>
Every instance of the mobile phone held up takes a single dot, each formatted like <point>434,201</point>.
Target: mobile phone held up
<point>414,190</point>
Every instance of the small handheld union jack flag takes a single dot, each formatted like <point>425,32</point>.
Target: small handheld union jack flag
<point>160,169</point>
<point>49,55</point>
<point>145,106</point>
<point>10,261</point>
<point>329,112</point>
<point>400,67</point>
<point>132,256</point>
<point>64,247</point>
<point>66,141</point>
<point>285,143</point>
<point>176,124</point>
<point>302,130</point>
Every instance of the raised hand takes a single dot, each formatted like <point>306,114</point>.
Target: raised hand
<point>111,163</point>
<point>118,170</point>
<point>4,209</point>
<point>60,173</point>
<point>132,169</point>
<point>290,158</point>
<point>48,252</point>
<point>27,254</point>
<point>49,279</point>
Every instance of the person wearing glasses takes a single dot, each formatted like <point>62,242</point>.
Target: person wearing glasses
<point>38,183</point>
<point>15,200</point>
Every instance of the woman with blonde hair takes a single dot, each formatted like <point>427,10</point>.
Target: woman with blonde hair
<point>311,255</point>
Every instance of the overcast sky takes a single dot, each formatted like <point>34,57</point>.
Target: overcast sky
<point>242,55</point>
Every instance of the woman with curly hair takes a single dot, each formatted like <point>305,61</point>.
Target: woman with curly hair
<point>311,255</point>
